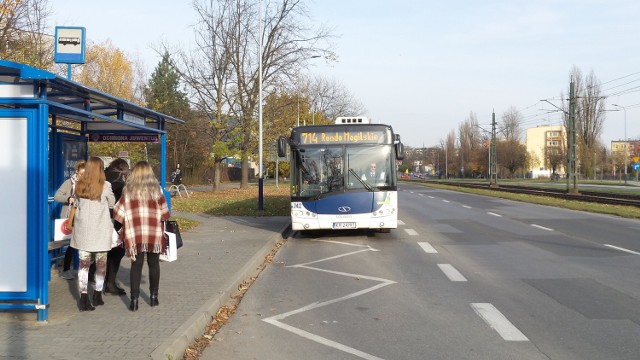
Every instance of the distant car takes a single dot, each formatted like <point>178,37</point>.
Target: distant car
<point>405,176</point>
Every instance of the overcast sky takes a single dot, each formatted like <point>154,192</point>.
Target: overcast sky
<point>423,66</point>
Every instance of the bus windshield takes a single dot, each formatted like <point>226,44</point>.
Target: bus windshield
<point>319,170</point>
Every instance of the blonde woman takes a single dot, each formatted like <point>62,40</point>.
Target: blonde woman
<point>92,229</point>
<point>140,210</point>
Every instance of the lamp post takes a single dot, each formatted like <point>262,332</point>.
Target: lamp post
<point>260,176</point>
<point>625,140</point>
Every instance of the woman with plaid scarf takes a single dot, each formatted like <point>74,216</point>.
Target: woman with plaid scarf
<point>140,210</point>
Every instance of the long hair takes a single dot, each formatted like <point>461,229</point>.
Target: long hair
<point>142,183</point>
<point>90,185</point>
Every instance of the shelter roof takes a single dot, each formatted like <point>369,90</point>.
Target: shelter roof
<point>100,112</point>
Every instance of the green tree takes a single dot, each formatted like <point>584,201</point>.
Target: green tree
<point>163,94</point>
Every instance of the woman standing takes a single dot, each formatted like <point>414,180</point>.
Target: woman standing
<point>116,174</point>
<point>140,210</point>
<point>64,195</point>
<point>92,229</point>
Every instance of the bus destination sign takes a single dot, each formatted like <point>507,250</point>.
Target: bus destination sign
<point>341,137</point>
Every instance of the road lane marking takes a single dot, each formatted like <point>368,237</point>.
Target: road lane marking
<point>494,214</point>
<point>427,247</point>
<point>447,201</point>
<point>466,206</point>
<point>622,249</point>
<point>451,272</point>
<point>541,227</point>
<point>411,232</point>
<point>400,222</point>
<point>321,340</point>
<point>498,322</point>
<point>431,197</point>
<point>276,320</point>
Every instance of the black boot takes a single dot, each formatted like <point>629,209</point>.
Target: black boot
<point>113,289</point>
<point>153,300</point>
<point>133,306</point>
<point>97,298</point>
<point>85,303</point>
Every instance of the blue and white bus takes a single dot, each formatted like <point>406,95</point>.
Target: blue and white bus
<point>343,175</point>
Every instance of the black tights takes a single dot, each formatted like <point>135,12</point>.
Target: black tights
<point>153,261</point>
<point>68,258</point>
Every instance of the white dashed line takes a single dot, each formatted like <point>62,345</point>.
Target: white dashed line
<point>541,227</point>
<point>494,214</point>
<point>411,232</point>
<point>451,272</point>
<point>622,249</point>
<point>446,201</point>
<point>466,206</point>
<point>431,197</point>
<point>494,318</point>
<point>400,222</point>
<point>428,248</point>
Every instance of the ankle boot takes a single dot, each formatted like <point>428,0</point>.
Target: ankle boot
<point>133,306</point>
<point>85,303</point>
<point>97,298</point>
<point>153,300</point>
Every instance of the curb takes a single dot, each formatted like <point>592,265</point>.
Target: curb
<point>175,346</point>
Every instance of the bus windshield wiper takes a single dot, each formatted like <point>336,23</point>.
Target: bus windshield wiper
<point>363,182</point>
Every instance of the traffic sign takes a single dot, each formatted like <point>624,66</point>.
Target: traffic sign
<point>636,166</point>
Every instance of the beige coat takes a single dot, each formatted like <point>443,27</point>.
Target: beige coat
<point>92,226</point>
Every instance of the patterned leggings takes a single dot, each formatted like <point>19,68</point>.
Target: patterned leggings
<point>86,258</point>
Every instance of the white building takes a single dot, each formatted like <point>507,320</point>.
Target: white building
<point>542,141</point>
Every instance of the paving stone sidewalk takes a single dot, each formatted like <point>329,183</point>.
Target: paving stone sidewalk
<point>217,256</point>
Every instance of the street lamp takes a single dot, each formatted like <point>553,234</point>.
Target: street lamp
<point>625,140</point>
<point>260,176</point>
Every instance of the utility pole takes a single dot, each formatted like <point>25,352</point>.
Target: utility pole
<point>493,158</point>
<point>572,179</point>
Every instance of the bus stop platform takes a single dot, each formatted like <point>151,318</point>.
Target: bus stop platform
<point>217,256</point>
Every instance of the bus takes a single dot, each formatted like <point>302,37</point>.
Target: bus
<point>343,175</point>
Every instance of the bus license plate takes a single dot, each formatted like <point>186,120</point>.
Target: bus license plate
<point>344,225</point>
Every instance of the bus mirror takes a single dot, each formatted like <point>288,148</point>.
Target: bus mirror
<point>399,151</point>
<point>282,146</point>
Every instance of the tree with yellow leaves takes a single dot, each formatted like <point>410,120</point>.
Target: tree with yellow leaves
<point>108,69</point>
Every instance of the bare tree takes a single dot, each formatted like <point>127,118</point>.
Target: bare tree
<point>332,99</point>
<point>224,76</point>
<point>511,127</point>
<point>22,32</point>
<point>470,140</point>
<point>590,116</point>
<point>208,74</point>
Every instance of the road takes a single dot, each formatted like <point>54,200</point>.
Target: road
<point>464,277</point>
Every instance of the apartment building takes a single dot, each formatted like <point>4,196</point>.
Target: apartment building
<point>546,146</point>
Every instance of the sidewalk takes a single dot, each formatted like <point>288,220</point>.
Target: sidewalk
<point>217,256</point>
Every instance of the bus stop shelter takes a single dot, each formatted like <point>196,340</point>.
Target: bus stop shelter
<point>45,123</point>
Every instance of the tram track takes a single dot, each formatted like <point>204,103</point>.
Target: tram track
<point>607,198</point>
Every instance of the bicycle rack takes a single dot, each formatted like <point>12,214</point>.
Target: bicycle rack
<point>176,189</point>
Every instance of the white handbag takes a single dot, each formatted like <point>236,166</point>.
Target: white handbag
<point>171,251</point>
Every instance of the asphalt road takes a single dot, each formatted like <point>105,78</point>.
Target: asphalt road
<point>464,277</point>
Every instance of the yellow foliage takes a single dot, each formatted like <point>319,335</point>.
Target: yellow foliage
<point>107,69</point>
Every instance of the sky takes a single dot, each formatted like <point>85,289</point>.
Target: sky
<point>425,66</point>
